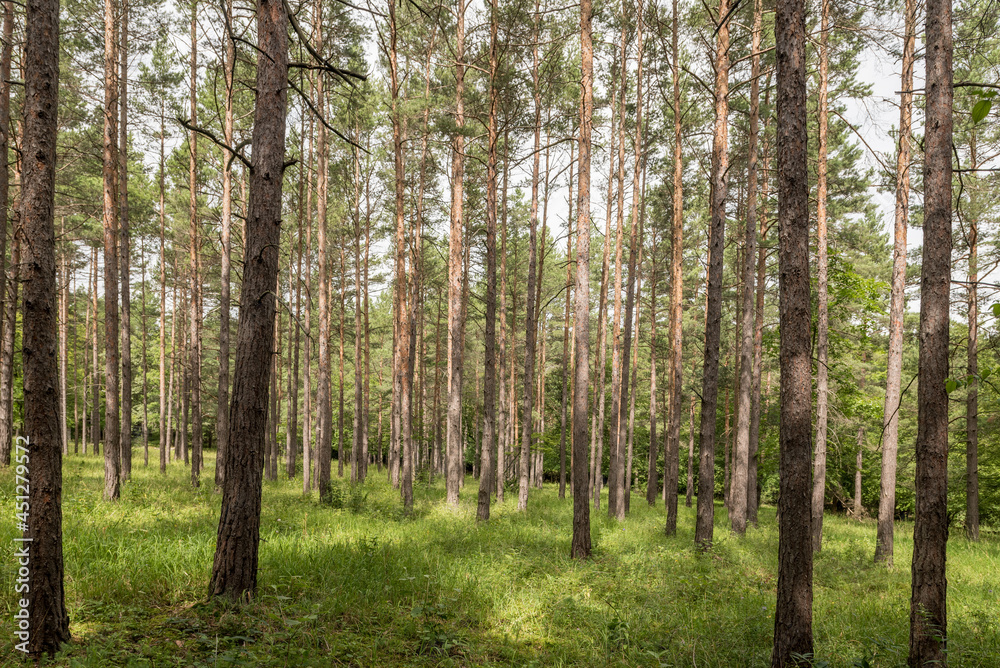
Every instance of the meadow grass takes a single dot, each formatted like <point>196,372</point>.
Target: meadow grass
<point>358,583</point>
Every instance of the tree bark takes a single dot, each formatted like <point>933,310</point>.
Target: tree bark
<point>489,382</point>
<point>972,398</point>
<point>928,611</point>
<point>6,355</point>
<point>234,570</point>
<point>676,364</point>
<point>530,327</point>
<point>652,484</point>
<point>566,346</point>
<point>222,410</point>
<point>124,249</point>
<point>402,382</point>
<point>580,546</point>
<point>47,618</point>
<point>112,451</point>
<point>194,365</point>
<point>455,352</point>
<point>163,435</point>
<point>739,488</point>
<point>823,318</point>
<point>324,446</point>
<point>758,341</point>
<point>713,318</point>
<point>897,303</point>
<point>793,612</point>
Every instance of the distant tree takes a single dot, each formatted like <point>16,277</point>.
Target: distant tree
<point>713,317</point>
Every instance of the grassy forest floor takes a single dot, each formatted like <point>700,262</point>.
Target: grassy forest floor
<point>359,584</point>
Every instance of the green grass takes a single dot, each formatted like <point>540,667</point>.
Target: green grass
<point>363,585</point>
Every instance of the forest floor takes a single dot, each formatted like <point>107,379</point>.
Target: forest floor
<point>357,583</point>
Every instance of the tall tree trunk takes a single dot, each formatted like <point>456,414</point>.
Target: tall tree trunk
<point>676,366</point>
<point>171,433</point>
<point>972,398</point>
<point>340,400</point>
<point>758,341</point>
<point>618,369</point>
<point>402,382</point>
<point>506,407</point>
<point>580,546</point>
<point>739,489</point>
<point>793,612</point>
<point>566,346</point>
<point>10,323</point>
<point>600,400</point>
<point>897,302</point>
<point>324,446</point>
<point>95,370</point>
<point>713,316</point>
<point>7,352</point>
<point>358,461</point>
<point>194,366</point>
<point>928,612</point>
<point>222,406</point>
<point>530,327</point>
<point>124,250</point>
<point>145,379</point>
<point>308,480</point>
<point>234,570</point>
<point>652,484</point>
<point>47,618</point>
<point>823,318</point>
<point>365,417</point>
<point>112,452</point>
<point>163,436</point>
<point>624,468</point>
<point>292,439</point>
<point>455,352</point>
<point>690,463</point>
<point>489,382</point>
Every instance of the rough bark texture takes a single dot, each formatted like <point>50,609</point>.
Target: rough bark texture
<point>453,449</point>
<point>324,446</point>
<point>234,571</point>
<point>112,452</point>
<point>222,406</point>
<point>163,435</point>
<point>124,249</point>
<point>527,426</point>
<point>6,356</point>
<point>928,604</point>
<point>972,398</point>
<point>652,484</point>
<point>793,613</point>
<point>676,370</point>
<point>48,621</point>
<point>713,318</point>
<point>894,363</point>
<point>581,545</point>
<point>739,489</point>
<point>823,318</point>
<point>488,448</point>
<point>758,343</point>
<point>402,384</point>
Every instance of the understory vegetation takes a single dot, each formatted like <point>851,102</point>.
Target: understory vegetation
<point>355,582</point>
